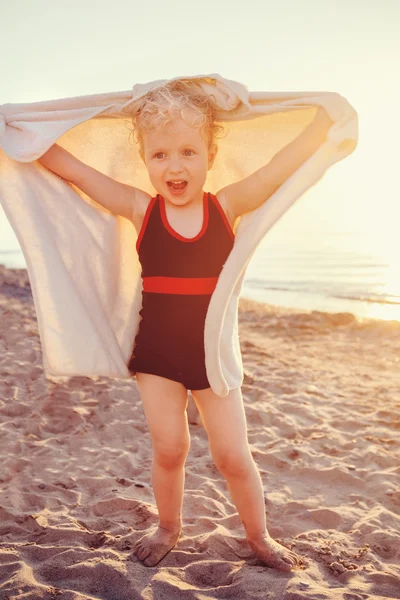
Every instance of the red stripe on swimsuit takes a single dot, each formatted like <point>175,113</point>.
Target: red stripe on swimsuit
<point>180,285</point>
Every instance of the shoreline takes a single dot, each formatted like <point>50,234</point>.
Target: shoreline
<point>18,278</point>
<point>252,296</point>
<point>322,399</point>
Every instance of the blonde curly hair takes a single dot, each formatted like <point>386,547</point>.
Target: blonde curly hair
<point>178,98</point>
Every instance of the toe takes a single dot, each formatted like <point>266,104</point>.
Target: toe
<point>296,558</point>
<point>286,566</point>
<point>289,560</point>
<point>139,550</point>
<point>144,553</point>
<point>298,561</point>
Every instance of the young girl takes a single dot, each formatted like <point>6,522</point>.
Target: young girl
<point>185,235</point>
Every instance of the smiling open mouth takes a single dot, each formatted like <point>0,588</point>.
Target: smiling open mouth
<point>177,186</point>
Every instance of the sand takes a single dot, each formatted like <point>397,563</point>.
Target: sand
<point>322,401</point>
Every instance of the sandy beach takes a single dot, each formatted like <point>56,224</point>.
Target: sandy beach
<point>322,401</point>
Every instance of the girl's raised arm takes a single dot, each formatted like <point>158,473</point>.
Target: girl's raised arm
<point>119,198</point>
<point>248,194</point>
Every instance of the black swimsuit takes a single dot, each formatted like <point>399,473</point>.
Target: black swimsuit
<point>179,276</point>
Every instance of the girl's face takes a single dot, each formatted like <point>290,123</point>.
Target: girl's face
<point>178,153</point>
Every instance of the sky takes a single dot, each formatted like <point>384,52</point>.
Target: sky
<point>67,48</point>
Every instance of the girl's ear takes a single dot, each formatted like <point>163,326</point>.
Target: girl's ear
<point>212,153</point>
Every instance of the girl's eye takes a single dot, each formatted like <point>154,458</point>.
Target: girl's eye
<point>187,152</point>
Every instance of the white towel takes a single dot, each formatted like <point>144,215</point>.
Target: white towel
<point>81,259</point>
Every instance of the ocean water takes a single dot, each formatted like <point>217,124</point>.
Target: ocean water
<point>311,268</point>
<point>330,271</point>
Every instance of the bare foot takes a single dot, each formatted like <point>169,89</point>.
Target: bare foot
<point>154,546</point>
<point>274,554</point>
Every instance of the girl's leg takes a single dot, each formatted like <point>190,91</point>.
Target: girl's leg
<point>225,422</point>
<point>164,403</point>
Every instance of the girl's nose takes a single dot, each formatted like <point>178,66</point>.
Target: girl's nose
<point>175,165</point>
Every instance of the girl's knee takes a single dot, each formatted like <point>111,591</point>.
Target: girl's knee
<point>171,456</point>
<point>232,462</point>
